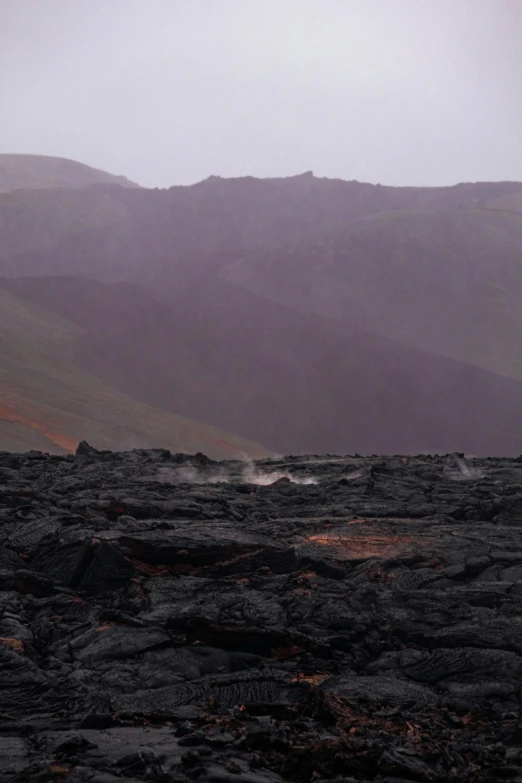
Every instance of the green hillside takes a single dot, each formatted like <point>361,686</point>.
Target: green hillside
<point>47,403</point>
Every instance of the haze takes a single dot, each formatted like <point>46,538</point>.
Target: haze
<point>403,92</point>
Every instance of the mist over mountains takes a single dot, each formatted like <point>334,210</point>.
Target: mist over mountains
<point>302,313</point>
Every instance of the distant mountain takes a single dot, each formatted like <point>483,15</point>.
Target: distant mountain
<point>159,237</point>
<point>294,381</point>
<point>510,202</point>
<point>47,403</point>
<point>446,281</point>
<point>31,172</point>
<point>38,221</point>
<point>304,313</point>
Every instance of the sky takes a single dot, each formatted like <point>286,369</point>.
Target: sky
<point>168,92</point>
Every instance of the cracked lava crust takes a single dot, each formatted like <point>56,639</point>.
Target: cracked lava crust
<point>167,618</point>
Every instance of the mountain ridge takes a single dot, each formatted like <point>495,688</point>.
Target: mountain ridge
<point>29,172</point>
<point>286,308</point>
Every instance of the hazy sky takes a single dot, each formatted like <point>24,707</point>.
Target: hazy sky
<point>167,92</point>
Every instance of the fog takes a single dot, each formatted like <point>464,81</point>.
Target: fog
<point>418,92</point>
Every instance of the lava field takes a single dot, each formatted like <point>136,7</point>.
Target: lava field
<point>166,618</point>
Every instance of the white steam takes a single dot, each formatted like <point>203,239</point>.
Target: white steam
<point>462,471</point>
<point>252,475</point>
<point>247,474</point>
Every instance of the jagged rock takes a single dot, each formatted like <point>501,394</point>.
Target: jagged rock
<point>85,448</point>
<point>341,617</point>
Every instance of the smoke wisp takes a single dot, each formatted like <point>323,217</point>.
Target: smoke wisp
<point>461,471</point>
<point>249,473</point>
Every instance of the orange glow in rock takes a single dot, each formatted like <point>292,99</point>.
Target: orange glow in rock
<point>362,546</point>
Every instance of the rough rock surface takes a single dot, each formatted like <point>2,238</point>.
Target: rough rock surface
<point>167,618</point>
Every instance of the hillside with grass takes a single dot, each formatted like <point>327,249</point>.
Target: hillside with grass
<point>48,403</point>
<point>35,172</point>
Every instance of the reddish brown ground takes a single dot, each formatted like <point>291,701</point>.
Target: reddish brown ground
<point>363,546</point>
<point>22,412</point>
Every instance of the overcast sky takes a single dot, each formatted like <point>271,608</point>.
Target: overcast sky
<point>420,92</point>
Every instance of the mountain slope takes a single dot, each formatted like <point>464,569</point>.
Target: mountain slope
<point>445,281</point>
<point>157,237</point>
<point>29,172</point>
<point>248,270</point>
<point>34,221</point>
<point>440,273</point>
<point>296,382</point>
<point>47,402</point>
<point>511,202</point>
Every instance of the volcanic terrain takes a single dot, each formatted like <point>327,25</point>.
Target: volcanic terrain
<point>296,314</point>
<point>164,618</point>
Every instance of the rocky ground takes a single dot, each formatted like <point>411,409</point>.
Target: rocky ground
<point>167,618</point>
